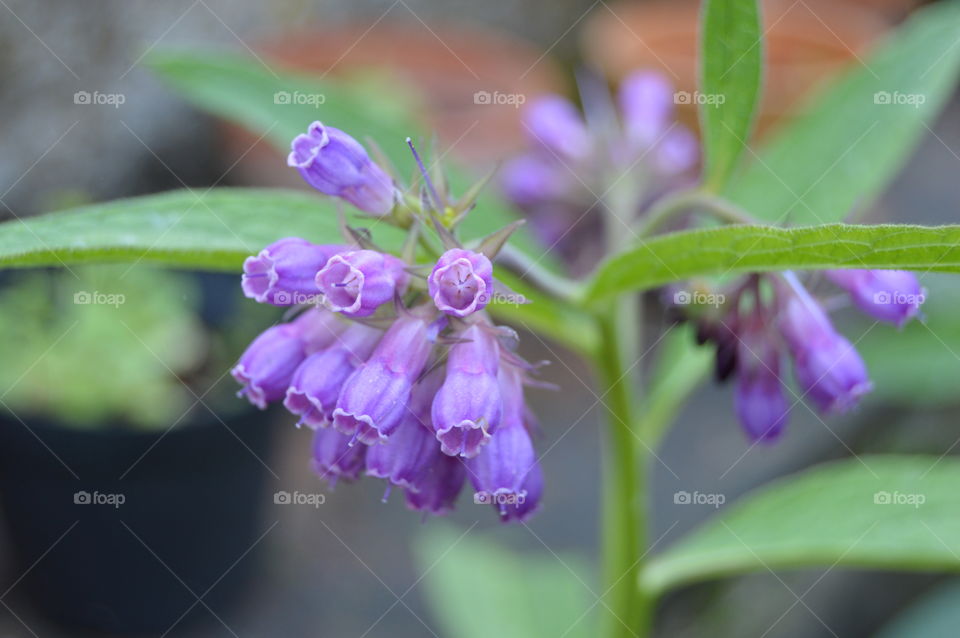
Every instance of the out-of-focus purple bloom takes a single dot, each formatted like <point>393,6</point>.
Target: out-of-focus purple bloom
<point>438,485</point>
<point>336,164</point>
<point>358,282</point>
<point>374,399</point>
<point>334,457</point>
<point>461,282</point>
<point>759,399</point>
<point>468,408</point>
<point>533,485</point>
<point>316,383</point>
<point>554,123</point>
<point>403,458</point>
<point>677,152</point>
<point>267,366</point>
<point>646,106</point>
<point>529,180</point>
<point>828,368</point>
<point>886,295</point>
<point>284,273</point>
<point>500,470</point>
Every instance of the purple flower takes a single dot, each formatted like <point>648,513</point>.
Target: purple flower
<point>316,383</point>
<point>886,295</point>
<point>461,282</point>
<point>284,273</point>
<point>438,485</point>
<point>533,486</point>
<point>500,470</point>
<point>760,403</point>
<point>358,282</point>
<point>334,457</point>
<point>530,180</point>
<point>677,152</point>
<point>336,164</point>
<point>646,105</point>
<point>267,366</point>
<point>827,366</point>
<point>374,399</point>
<point>554,123</point>
<point>468,408</point>
<point>403,458</point>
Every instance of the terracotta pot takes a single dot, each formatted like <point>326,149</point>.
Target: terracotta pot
<point>453,67</point>
<point>805,43</point>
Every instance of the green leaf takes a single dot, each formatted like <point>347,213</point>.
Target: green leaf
<point>732,58</point>
<point>843,148</point>
<point>883,512</point>
<point>749,248</point>
<point>477,589</point>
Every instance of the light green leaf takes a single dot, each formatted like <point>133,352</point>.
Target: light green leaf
<point>477,589</point>
<point>843,148</point>
<point>731,56</point>
<point>883,512</point>
<point>749,248</point>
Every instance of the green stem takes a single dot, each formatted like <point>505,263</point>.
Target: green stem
<point>668,207</point>
<point>556,285</point>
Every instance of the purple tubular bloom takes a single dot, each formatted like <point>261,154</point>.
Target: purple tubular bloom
<point>827,366</point>
<point>500,470</point>
<point>461,282</point>
<point>677,152</point>
<point>468,408</point>
<point>336,164</point>
<point>886,295</point>
<point>403,458</point>
<point>284,273</point>
<point>334,457</point>
<point>316,383</point>
<point>646,103</point>
<point>555,123</point>
<point>533,485</point>
<point>438,485</point>
<point>760,403</point>
<point>529,180</point>
<point>268,364</point>
<point>357,282</point>
<point>374,398</point>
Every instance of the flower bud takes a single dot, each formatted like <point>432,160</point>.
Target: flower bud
<point>533,486</point>
<point>500,469</point>
<point>555,123</point>
<point>759,400</point>
<point>646,105</point>
<point>468,407</point>
<point>334,457</point>
<point>530,180</point>
<point>827,367</point>
<point>316,383</point>
<point>336,164</point>
<point>374,398</point>
<point>461,282</point>
<point>677,152</point>
<point>284,273</point>
<point>358,282</point>
<point>886,295</point>
<point>268,364</point>
<point>437,487</point>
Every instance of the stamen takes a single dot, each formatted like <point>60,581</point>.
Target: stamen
<point>426,177</point>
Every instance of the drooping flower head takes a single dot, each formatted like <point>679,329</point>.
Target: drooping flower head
<point>336,164</point>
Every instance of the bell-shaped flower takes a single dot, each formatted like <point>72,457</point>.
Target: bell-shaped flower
<point>893,296</point>
<point>284,273</point>
<point>461,282</point>
<point>357,282</point>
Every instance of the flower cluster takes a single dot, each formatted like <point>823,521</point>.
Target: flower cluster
<point>768,316</point>
<point>568,170</point>
<point>402,377</point>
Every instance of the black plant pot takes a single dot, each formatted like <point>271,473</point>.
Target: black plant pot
<point>125,529</point>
